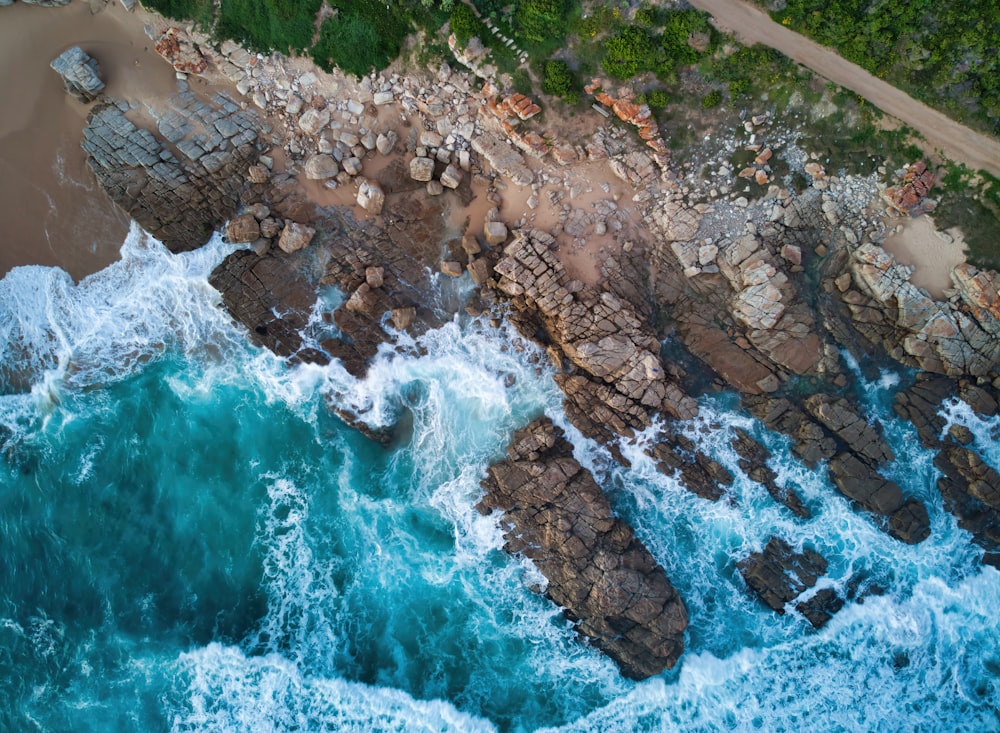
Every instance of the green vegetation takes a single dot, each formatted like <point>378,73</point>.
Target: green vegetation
<point>712,99</point>
<point>540,20</point>
<point>560,80</point>
<point>199,11</point>
<point>360,37</point>
<point>972,203</point>
<point>465,24</point>
<point>628,52</point>
<point>945,53</point>
<point>265,25</point>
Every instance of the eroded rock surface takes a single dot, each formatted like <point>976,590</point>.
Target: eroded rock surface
<point>778,575</point>
<point>80,74</point>
<point>181,186</point>
<point>597,570</point>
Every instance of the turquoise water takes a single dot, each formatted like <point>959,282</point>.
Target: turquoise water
<point>192,542</point>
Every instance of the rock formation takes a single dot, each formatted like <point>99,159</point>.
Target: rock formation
<point>616,382</point>
<point>970,488</point>
<point>597,570</point>
<point>80,74</point>
<point>181,187</point>
<point>779,575</point>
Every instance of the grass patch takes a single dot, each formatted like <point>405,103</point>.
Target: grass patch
<point>269,25</point>
<point>200,11</point>
<point>975,209</point>
<point>361,36</point>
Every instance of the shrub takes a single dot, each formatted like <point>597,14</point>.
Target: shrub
<point>558,78</point>
<point>628,52</point>
<point>712,99</point>
<point>361,36</point>
<point>465,24</point>
<point>269,25</point>
<point>658,99</point>
<point>539,20</point>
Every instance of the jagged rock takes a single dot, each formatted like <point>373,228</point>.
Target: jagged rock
<point>179,200</point>
<point>374,276</point>
<point>819,608</point>
<point>753,462</point>
<point>314,120</point>
<point>181,52</point>
<point>610,393</point>
<point>385,142</point>
<point>495,233</point>
<point>80,73</point>
<point>270,227</point>
<point>451,177</point>
<point>449,267</point>
<point>700,474</point>
<point>481,270</point>
<point>320,167</point>
<point>604,578</point>
<point>295,236</point>
<point>779,574</point>
<point>255,289</point>
<point>371,198</point>
<point>421,169</point>
<point>504,159</point>
<point>352,166</point>
<point>258,174</point>
<point>839,417</point>
<point>243,228</point>
<point>403,317</point>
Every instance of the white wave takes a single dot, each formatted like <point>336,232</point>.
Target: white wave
<point>54,332</point>
<point>225,690</point>
<point>886,665</point>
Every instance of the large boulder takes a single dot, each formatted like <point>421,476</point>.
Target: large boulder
<point>243,228</point>
<point>295,236</point>
<point>421,169</point>
<point>320,167</point>
<point>371,198</point>
<point>80,74</point>
<point>597,570</point>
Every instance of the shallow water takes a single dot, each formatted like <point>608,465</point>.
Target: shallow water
<point>192,542</point>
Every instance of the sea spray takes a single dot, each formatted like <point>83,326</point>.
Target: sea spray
<point>193,541</point>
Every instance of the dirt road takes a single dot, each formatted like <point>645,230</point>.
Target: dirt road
<point>752,25</point>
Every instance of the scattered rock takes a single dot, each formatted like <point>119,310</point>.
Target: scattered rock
<point>371,197</point>
<point>320,167</point>
<point>295,236</point>
<point>243,228</point>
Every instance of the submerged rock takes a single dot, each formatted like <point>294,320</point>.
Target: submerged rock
<point>597,570</point>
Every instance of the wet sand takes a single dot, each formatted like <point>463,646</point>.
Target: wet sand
<point>54,212</point>
<point>931,255</point>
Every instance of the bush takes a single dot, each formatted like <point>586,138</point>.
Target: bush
<point>269,25</point>
<point>539,20</point>
<point>465,24</point>
<point>712,99</point>
<point>361,36</point>
<point>628,52</point>
<point>658,99</point>
<point>559,79</point>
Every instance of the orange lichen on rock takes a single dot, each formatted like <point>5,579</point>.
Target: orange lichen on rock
<point>638,115</point>
<point>180,52</point>
<point>917,183</point>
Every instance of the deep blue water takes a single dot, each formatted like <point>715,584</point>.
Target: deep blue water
<point>191,541</point>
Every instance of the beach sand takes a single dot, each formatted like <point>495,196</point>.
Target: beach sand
<point>932,255</point>
<point>53,210</point>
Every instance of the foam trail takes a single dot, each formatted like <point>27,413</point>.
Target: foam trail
<point>224,690</point>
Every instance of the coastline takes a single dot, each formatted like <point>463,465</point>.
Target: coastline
<point>646,297</point>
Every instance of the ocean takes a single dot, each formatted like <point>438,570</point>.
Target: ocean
<point>192,541</point>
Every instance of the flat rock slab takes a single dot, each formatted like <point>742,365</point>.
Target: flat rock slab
<point>603,577</point>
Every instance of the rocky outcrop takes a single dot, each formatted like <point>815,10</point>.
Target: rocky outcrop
<point>909,198</point>
<point>854,449</point>
<point>954,337</point>
<point>597,570</point>
<point>778,575</point>
<point>504,159</point>
<point>179,187</point>
<point>615,382</point>
<point>753,462</point>
<point>678,455</point>
<point>80,74</point>
<point>970,488</point>
<point>181,52</point>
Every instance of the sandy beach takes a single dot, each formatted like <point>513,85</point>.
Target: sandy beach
<point>932,254</point>
<point>55,213</point>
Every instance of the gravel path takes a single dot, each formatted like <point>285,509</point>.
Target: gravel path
<point>956,141</point>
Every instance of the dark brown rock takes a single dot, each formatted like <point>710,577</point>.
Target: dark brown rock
<point>820,607</point>
<point>753,462</point>
<point>779,574</point>
<point>179,199</point>
<point>603,577</point>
